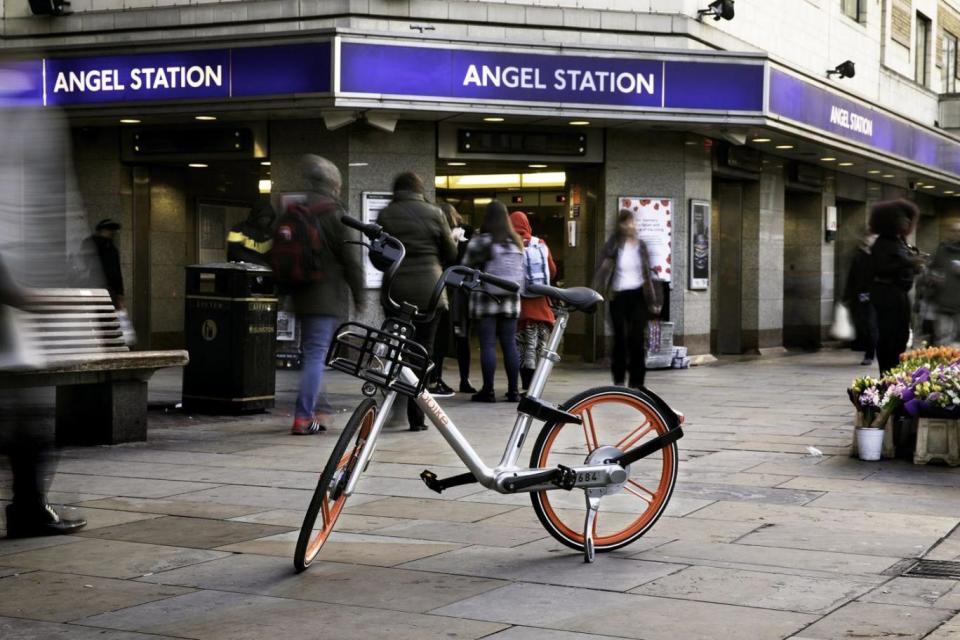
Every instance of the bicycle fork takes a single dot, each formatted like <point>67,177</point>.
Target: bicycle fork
<point>367,452</point>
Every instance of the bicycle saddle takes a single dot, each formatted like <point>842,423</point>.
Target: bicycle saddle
<point>577,298</point>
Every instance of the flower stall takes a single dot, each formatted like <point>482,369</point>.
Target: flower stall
<point>925,387</point>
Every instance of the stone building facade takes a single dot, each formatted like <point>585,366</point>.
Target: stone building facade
<point>743,119</point>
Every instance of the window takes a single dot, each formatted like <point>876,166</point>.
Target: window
<point>921,51</point>
<point>949,62</point>
<point>855,9</point>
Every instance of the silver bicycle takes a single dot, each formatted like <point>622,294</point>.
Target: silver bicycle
<point>613,443</point>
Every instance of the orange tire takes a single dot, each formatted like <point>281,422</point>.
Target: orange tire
<point>612,416</point>
<point>328,498</point>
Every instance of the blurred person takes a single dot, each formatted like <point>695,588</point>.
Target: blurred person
<point>536,316</point>
<point>944,285</point>
<point>625,278</point>
<point>498,250</point>
<point>251,240</point>
<point>424,232</point>
<point>322,304</point>
<point>102,244</point>
<point>41,246</point>
<point>856,295</point>
<point>451,320</point>
<point>895,266</point>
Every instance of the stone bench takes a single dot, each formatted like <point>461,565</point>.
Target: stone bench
<point>101,385</point>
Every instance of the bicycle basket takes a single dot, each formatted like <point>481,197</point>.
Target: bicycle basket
<point>378,357</point>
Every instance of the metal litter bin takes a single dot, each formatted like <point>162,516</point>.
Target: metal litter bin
<point>231,323</point>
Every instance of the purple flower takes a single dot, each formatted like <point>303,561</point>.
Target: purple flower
<point>921,375</point>
<point>907,394</point>
<point>913,406</point>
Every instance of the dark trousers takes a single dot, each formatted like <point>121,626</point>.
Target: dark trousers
<point>25,422</point>
<point>892,306</point>
<point>463,358</point>
<point>865,320</point>
<point>441,348</point>
<point>491,330</point>
<point>425,334</point>
<point>628,314</point>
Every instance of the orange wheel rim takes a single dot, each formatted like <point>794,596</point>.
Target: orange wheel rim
<point>655,500</point>
<point>330,512</point>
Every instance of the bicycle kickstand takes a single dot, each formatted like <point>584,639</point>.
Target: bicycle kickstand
<point>593,505</point>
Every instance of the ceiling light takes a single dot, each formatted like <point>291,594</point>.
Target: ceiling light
<point>929,186</point>
<point>357,164</point>
<point>784,146</point>
<point>760,140</point>
<point>873,171</point>
<point>544,179</point>
<point>265,163</point>
<point>948,192</point>
<point>493,119</point>
<point>488,181</point>
<point>888,175</point>
<point>129,121</point>
<point>579,123</point>
<point>264,186</point>
<point>537,166</point>
<point>197,165</point>
<point>480,202</point>
<point>440,182</point>
<point>205,118</point>
<point>456,164</point>
<point>828,159</point>
<point>844,164</point>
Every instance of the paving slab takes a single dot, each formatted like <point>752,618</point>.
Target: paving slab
<point>193,533</point>
<point>215,615</point>
<point>347,522</point>
<point>632,616</point>
<point>867,620</point>
<point>108,558</point>
<point>427,509</point>
<point>96,518</point>
<point>755,589</point>
<point>172,507</point>
<point>839,563</point>
<point>348,547</point>
<point>873,543</point>
<point>547,563</point>
<point>61,597</point>
<point>714,491</point>
<point>473,533</point>
<point>917,592</point>
<point>132,487</point>
<point>892,503</point>
<point>949,630</point>
<point>19,629</point>
<point>10,546</point>
<point>335,583</point>
<point>263,497</point>
<point>537,633</point>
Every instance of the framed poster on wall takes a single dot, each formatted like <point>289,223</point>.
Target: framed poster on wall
<point>699,243</point>
<point>654,218</point>
<point>372,203</point>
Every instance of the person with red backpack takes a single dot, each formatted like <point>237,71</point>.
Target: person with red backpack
<point>312,262</point>
<point>536,316</point>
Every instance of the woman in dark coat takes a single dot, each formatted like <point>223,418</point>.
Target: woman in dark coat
<point>895,266</point>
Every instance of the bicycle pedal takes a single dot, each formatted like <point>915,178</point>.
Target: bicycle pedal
<point>565,478</point>
<point>431,480</point>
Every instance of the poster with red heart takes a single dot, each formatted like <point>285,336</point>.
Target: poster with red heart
<point>654,218</point>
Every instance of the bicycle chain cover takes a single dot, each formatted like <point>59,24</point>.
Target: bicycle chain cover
<point>377,356</point>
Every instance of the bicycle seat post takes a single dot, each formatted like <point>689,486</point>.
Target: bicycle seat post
<point>549,355</point>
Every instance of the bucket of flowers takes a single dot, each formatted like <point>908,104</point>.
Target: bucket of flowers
<point>874,401</point>
<point>934,400</point>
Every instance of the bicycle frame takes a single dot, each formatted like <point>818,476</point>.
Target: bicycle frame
<point>587,476</point>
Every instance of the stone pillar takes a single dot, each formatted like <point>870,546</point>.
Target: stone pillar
<point>762,292</point>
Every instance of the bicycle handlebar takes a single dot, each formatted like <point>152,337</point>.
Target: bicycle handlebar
<point>384,247</point>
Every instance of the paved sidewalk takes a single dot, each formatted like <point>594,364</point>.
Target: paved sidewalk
<point>191,534</point>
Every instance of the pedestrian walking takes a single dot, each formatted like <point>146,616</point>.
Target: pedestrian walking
<point>625,278</point>
<point>102,244</point>
<point>536,316</point>
<point>453,323</point>
<point>251,240</point>
<point>895,265</point>
<point>497,250</point>
<point>424,232</point>
<point>321,295</point>
<point>944,285</point>
<point>856,296</point>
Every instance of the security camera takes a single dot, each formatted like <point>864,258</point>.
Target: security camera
<point>49,7</point>
<point>718,9</point>
<point>846,69</point>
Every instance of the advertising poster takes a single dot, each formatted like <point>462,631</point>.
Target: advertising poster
<point>654,218</point>
<point>699,242</point>
<point>373,202</point>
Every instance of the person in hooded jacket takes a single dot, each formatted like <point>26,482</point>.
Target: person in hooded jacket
<point>251,240</point>
<point>856,296</point>
<point>536,317</point>
<point>895,267</point>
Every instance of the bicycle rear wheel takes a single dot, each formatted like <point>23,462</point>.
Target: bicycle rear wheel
<point>612,417</point>
<point>328,498</point>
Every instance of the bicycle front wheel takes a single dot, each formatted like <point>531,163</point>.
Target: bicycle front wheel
<point>612,417</point>
<point>329,499</point>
